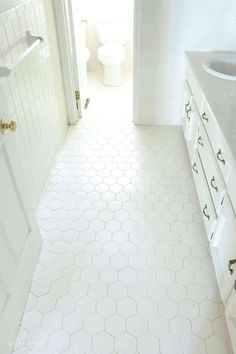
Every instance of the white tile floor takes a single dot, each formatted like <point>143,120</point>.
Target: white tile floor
<point>125,266</point>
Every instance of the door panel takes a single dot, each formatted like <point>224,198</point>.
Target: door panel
<point>20,241</point>
<point>77,38</point>
<point>17,229</point>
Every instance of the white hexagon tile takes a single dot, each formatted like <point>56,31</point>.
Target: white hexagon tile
<point>124,267</point>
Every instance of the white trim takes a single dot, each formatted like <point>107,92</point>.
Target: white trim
<point>65,46</point>
<point>137,59</point>
<point>63,36</point>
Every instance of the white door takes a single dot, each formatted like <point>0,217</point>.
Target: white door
<point>77,39</point>
<point>20,241</point>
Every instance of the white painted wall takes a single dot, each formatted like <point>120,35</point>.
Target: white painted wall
<point>107,10</point>
<point>169,28</point>
<point>33,94</point>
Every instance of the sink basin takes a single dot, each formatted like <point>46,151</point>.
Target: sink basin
<point>223,67</point>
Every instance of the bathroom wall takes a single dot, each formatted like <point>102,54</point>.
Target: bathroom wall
<point>169,28</point>
<point>33,94</point>
<point>107,10</point>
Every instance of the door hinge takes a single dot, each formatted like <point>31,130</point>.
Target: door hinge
<point>77,97</point>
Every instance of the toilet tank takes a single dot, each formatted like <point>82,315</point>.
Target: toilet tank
<point>115,32</point>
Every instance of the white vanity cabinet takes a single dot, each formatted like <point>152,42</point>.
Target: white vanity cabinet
<point>214,171</point>
<point>223,248</point>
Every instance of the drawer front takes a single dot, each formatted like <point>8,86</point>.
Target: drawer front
<point>231,187</point>
<point>193,129</point>
<point>214,180</point>
<point>221,151</point>
<point>223,249</point>
<point>186,109</point>
<point>208,211</point>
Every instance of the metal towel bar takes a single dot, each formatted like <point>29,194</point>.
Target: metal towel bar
<point>32,42</point>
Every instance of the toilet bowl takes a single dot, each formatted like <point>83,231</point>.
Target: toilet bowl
<point>111,56</point>
<point>113,35</point>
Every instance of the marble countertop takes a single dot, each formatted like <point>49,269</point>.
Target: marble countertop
<point>220,95</point>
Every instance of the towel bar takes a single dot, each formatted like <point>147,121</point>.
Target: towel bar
<point>32,42</point>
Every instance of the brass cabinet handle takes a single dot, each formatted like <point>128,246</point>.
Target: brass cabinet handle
<point>231,262</point>
<point>204,210</point>
<point>5,126</point>
<point>195,168</point>
<point>235,285</point>
<point>187,114</point>
<point>204,116</point>
<point>199,140</point>
<point>213,185</point>
<point>219,158</point>
<point>187,107</point>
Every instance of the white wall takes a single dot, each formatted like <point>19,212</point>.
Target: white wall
<point>169,28</point>
<point>106,10</point>
<point>33,94</point>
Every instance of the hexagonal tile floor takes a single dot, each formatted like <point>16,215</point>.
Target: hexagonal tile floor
<point>125,266</point>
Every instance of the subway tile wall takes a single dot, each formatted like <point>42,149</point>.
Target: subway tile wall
<point>169,28</point>
<point>33,94</point>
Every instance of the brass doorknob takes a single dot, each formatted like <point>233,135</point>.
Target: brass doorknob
<point>5,126</point>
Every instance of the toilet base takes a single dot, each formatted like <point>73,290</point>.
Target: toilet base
<point>112,75</point>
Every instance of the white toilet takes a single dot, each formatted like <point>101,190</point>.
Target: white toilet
<point>113,36</point>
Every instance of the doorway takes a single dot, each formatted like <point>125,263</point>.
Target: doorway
<point>108,31</point>
<point>87,29</point>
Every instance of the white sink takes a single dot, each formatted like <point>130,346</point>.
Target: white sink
<point>223,67</point>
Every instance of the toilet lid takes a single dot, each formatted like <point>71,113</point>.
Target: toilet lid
<point>111,50</point>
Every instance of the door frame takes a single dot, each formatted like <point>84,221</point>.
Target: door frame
<point>66,48</point>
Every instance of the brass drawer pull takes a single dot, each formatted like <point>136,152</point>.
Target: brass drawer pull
<point>199,140</point>
<point>231,262</point>
<point>187,114</point>
<point>204,210</point>
<point>187,107</point>
<point>213,185</point>
<point>220,158</point>
<point>195,168</point>
<point>204,116</point>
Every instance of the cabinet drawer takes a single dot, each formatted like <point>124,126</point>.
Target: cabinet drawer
<point>213,176</point>
<point>194,123</point>
<point>223,249</point>
<point>208,211</point>
<point>221,151</point>
<point>186,109</point>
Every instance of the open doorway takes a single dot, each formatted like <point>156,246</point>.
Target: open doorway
<point>108,31</point>
<point>100,61</point>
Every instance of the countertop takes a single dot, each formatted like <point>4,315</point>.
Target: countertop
<point>220,95</point>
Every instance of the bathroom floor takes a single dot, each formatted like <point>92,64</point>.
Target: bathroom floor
<point>103,99</point>
<point>125,266</point>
